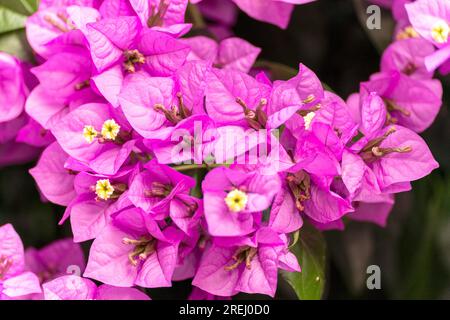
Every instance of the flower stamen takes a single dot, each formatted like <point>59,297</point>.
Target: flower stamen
<point>377,141</point>
<point>308,119</point>
<point>55,23</point>
<point>305,112</point>
<point>5,265</point>
<point>143,248</point>
<point>159,190</point>
<point>407,33</point>
<point>132,59</point>
<point>242,254</point>
<point>171,115</point>
<point>156,18</point>
<point>380,152</point>
<point>310,98</point>
<point>299,184</point>
<point>184,111</point>
<point>372,151</point>
<point>82,85</point>
<point>392,106</point>
<point>255,119</point>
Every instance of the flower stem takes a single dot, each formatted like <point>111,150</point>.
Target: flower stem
<point>187,167</point>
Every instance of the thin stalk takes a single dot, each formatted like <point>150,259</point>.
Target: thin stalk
<point>187,167</point>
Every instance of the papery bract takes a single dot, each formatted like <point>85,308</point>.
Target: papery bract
<point>227,270</point>
<point>112,259</point>
<point>15,281</point>
<point>77,288</point>
<point>231,198</point>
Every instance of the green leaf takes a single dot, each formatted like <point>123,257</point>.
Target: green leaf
<point>310,251</point>
<point>25,7</point>
<point>422,272</point>
<point>11,20</point>
<point>278,71</point>
<point>30,5</point>
<point>15,43</point>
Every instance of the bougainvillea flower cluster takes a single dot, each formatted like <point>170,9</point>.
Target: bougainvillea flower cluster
<point>181,162</point>
<point>20,136</point>
<point>16,281</point>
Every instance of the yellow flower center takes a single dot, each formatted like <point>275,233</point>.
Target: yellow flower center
<point>104,189</point>
<point>440,32</point>
<point>236,200</point>
<point>89,133</point>
<point>308,119</point>
<point>110,129</point>
<point>407,33</point>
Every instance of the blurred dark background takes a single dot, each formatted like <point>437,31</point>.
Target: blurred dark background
<point>413,251</point>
